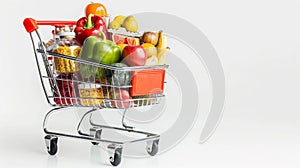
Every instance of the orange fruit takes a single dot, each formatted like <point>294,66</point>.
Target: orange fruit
<point>97,9</point>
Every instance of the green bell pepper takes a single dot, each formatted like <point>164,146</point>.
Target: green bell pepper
<point>98,50</point>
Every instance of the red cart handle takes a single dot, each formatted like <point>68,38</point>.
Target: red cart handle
<point>31,24</point>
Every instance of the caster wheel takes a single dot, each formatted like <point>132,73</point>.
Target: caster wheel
<point>152,147</point>
<point>95,143</point>
<point>115,153</point>
<point>116,160</point>
<point>51,143</point>
<point>97,134</point>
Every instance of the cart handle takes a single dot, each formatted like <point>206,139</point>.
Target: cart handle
<point>31,24</point>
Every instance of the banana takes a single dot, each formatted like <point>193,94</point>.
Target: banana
<point>162,55</point>
<point>162,41</point>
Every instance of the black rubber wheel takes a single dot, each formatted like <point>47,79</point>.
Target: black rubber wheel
<point>154,148</point>
<point>53,145</point>
<point>97,135</point>
<point>117,157</point>
<point>95,143</point>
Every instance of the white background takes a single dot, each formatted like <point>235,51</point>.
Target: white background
<point>258,43</point>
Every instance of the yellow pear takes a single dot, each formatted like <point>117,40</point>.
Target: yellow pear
<point>130,24</point>
<point>114,25</point>
<point>120,19</point>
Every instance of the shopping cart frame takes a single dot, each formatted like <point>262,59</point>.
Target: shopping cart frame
<point>94,134</point>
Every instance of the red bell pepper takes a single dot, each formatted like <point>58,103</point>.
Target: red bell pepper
<point>89,26</point>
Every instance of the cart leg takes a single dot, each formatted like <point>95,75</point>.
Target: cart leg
<point>96,133</point>
<point>90,112</point>
<point>123,122</point>
<point>115,154</point>
<point>51,144</point>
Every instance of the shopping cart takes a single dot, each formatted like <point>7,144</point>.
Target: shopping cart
<point>70,90</point>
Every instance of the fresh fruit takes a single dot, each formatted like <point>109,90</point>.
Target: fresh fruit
<point>162,41</point>
<point>95,8</point>
<point>119,39</point>
<point>120,19</point>
<point>150,49</point>
<point>117,22</point>
<point>153,60</point>
<point>114,25</point>
<point>133,41</point>
<point>122,46</point>
<point>121,98</point>
<point>130,24</point>
<point>150,37</point>
<point>134,55</point>
<point>162,55</point>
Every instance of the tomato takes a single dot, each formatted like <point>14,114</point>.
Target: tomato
<point>97,9</point>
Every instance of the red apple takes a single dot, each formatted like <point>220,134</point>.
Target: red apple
<point>134,55</point>
<point>122,98</point>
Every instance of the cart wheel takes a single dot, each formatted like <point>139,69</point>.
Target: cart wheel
<point>97,135</point>
<point>95,143</point>
<point>152,147</point>
<point>115,155</point>
<point>51,144</point>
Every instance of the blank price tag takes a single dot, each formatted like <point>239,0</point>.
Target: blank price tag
<point>146,82</point>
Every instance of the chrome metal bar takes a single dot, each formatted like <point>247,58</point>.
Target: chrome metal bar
<point>123,122</point>
<point>52,82</point>
<point>105,65</point>
<point>48,115</point>
<point>38,66</point>
<point>120,129</point>
<point>70,135</point>
<point>153,137</point>
<point>80,122</point>
<point>150,136</point>
<point>59,134</point>
<point>95,83</point>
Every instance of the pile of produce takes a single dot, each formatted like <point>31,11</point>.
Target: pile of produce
<point>117,42</point>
